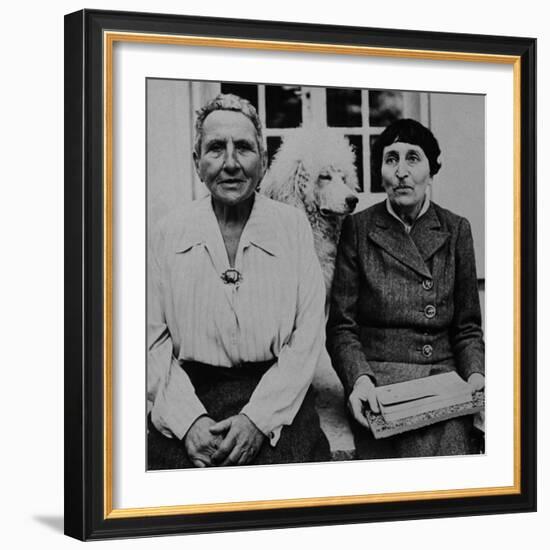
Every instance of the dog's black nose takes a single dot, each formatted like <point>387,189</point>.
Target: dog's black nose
<point>351,201</point>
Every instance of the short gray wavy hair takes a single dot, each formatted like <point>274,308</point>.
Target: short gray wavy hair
<point>228,102</point>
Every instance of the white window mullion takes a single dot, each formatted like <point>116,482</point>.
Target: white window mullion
<point>261,105</point>
<point>314,107</point>
<point>424,115</point>
<point>366,133</point>
<point>411,105</point>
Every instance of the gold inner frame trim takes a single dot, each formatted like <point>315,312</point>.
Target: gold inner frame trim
<point>304,47</point>
<point>109,39</point>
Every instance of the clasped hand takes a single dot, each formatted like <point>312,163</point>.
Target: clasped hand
<point>233,441</point>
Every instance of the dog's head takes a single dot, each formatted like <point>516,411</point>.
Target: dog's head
<point>328,190</point>
<point>316,169</point>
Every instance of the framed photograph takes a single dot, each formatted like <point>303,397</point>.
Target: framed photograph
<point>300,274</point>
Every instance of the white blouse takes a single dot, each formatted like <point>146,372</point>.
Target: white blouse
<point>276,312</point>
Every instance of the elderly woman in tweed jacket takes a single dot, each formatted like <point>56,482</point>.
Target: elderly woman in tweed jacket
<point>405,300</point>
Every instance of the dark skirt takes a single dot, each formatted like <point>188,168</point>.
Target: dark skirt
<point>451,437</point>
<point>224,392</point>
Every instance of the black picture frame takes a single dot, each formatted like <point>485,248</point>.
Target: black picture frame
<point>87,511</point>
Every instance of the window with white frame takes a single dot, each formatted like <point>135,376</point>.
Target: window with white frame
<point>359,115</point>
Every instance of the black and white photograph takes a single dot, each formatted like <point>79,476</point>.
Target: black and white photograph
<point>275,275</point>
<point>300,278</point>
<point>315,274</point>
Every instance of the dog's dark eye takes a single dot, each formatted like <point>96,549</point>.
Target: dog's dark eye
<point>324,177</point>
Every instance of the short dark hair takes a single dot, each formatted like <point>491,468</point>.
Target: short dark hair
<point>407,130</point>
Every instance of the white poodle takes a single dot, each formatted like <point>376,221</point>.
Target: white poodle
<point>315,171</point>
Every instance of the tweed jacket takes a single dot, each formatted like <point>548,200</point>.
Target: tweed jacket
<point>405,305</point>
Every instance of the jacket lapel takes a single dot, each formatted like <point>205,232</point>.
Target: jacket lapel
<point>428,235</point>
<point>412,250</point>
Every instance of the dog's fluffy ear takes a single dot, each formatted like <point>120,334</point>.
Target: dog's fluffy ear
<point>284,185</point>
<point>303,187</point>
<point>278,182</point>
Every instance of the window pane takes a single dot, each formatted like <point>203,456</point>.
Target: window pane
<point>385,107</point>
<point>246,91</point>
<point>357,144</point>
<point>344,107</point>
<point>273,144</point>
<point>283,106</point>
<point>375,179</point>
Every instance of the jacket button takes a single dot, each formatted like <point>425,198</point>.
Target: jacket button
<point>429,311</point>
<point>427,284</point>
<point>427,350</point>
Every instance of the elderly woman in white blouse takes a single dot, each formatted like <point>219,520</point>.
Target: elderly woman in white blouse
<point>235,315</point>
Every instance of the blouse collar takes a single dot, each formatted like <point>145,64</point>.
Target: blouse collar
<point>201,226</point>
<point>408,227</point>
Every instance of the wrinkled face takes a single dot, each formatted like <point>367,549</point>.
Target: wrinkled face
<point>332,194</point>
<point>405,174</point>
<point>230,162</point>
